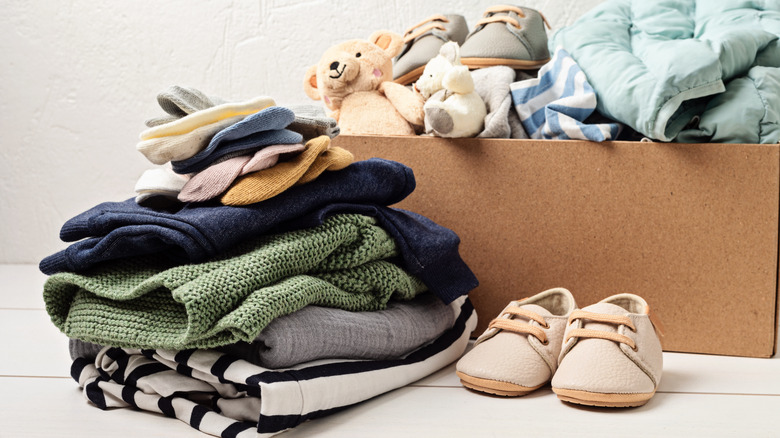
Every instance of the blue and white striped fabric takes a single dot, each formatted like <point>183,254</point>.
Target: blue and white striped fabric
<point>554,105</point>
<point>225,396</point>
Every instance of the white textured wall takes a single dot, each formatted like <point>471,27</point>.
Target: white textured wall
<point>78,78</point>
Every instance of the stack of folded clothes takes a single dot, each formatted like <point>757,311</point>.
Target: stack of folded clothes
<point>237,152</point>
<point>252,319</point>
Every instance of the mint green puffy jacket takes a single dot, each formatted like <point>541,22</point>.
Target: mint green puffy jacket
<point>685,70</point>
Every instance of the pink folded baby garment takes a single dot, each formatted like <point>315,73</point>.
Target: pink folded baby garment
<point>215,179</point>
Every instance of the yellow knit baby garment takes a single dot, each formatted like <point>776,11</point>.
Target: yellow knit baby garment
<point>334,158</point>
<point>267,183</point>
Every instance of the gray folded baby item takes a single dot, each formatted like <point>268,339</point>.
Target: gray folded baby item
<point>312,122</point>
<point>83,349</point>
<point>320,332</point>
<point>492,85</point>
<point>180,101</point>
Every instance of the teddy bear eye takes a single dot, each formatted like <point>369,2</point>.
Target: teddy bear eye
<point>357,55</point>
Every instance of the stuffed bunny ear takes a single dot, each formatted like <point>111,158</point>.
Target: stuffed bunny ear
<point>451,52</point>
<point>310,83</point>
<point>390,42</point>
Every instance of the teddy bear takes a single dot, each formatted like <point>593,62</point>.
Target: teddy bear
<point>355,80</point>
<point>452,107</point>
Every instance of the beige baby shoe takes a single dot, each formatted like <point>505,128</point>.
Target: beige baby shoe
<point>518,352</point>
<point>611,355</point>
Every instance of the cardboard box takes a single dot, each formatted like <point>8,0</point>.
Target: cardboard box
<point>692,228</point>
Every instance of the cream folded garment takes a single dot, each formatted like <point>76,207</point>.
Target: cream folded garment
<point>181,147</point>
<point>207,116</point>
<point>157,183</point>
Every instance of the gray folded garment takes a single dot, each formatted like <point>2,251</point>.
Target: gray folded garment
<point>492,85</point>
<point>179,101</point>
<point>311,122</point>
<point>326,333</point>
<point>321,332</point>
<point>83,349</point>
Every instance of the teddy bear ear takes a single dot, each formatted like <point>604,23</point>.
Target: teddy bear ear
<point>310,83</point>
<point>390,42</point>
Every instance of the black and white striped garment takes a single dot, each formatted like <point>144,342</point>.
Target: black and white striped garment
<point>225,396</point>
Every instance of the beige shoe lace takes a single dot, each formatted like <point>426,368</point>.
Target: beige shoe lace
<point>600,334</point>
<point>430,23</point>
<point>521,327</point>
<point>490,18</point>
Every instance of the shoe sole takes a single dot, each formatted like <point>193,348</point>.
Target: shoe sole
<point>410,77</point>
<point>473,63</point>
<point>603,400</point>
<point>495,387</point>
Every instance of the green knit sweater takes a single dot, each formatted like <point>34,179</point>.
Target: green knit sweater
<point>143,302</point>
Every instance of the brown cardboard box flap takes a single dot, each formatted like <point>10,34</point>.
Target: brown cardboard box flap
<point>692,228</point>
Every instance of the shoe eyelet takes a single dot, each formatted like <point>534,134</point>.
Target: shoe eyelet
<point>545,342</point>
<point>635,348</point>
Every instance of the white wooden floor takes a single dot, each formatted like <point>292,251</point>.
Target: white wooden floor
<point>700,396</point>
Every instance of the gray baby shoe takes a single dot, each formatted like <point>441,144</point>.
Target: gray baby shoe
<point>507,35</point>
<point>423,41</point>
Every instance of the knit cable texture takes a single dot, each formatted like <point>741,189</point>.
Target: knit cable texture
<point>141,302</point>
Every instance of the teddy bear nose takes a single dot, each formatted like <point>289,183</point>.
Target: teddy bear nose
<point>334,65</point>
